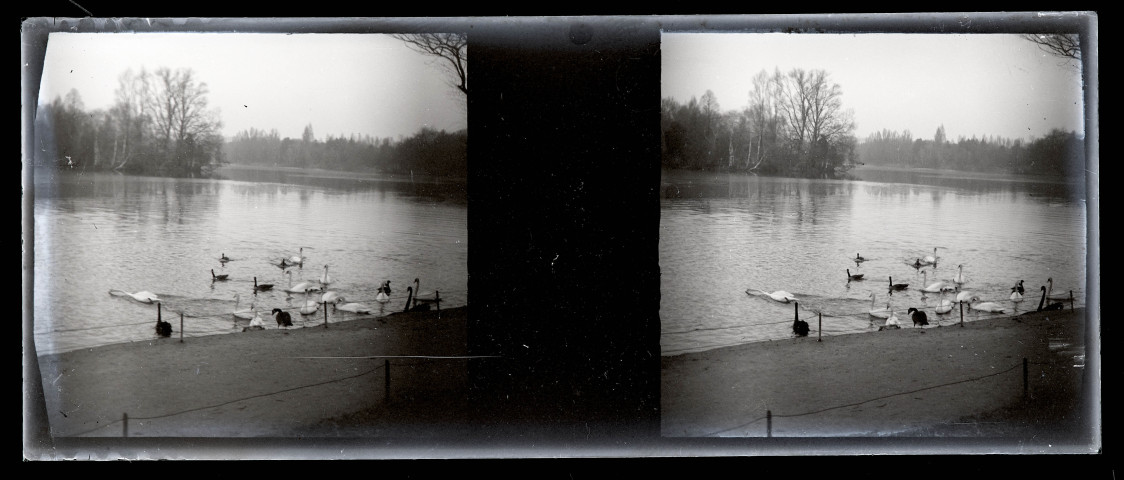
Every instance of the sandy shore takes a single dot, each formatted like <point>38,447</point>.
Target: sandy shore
<point>268,383</point>
<point>961,381</point>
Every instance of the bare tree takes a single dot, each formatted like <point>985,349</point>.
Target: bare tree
<point>451,48</point>
<point>1064,45</point>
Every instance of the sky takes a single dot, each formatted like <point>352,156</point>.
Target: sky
<point>972,84</point>
<point>341,84</point>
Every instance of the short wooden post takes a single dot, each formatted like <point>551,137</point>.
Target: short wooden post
<point>437,297</point>
<point>158,317</point>
<point>125,424</point>
<point>961,314</point>
<point>819,328</point>
<point>1071,307</point>
<point>769,423</point>
<point>386,368</point>
<point>325,303</point>
<point>1026,381</point>
<point>181,327</point>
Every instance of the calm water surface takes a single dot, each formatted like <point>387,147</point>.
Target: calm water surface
<point>97,232</point>
<point>721,234</point>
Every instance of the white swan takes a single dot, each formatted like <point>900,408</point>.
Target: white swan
<point>427,297</point>
<point>943,306</point>
<point>325,279</point>
<point>964,297</point>
<point>930,259</point>
<point>878,312</point>
<point>1050,291</point>
<point>987,306</point>
<point>891,322</point>
<point>959,279</point>
<point>331,297</point>
<point>352,307</point>
<point>382,297</point>
<point>310,306</point>
<point>935,286</point>
<point>295,259</point>
<point>302,287</point>
<point>779,295</point>
<point>143,296</point>
<point>244,314</point>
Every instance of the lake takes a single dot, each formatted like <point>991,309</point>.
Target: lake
<point>722,234</point>
<point>100,232</point>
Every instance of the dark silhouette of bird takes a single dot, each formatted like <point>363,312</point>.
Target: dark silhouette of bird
<point>261,287</point>
<point>283,318</point>
<point>218,278</point>
<point>423,307</point>
<point>224,258</point>
<point>799,327</point>
<point>859,258</point>
<point>919,317</point>
<point>164,329</point>
<point>1051,306</point>
<point>897,286</point>
<point>857,276</point>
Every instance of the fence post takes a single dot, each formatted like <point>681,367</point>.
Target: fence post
<point>961,314</point>
<point>181,327</point>
<point>386,367</point>
<point>125,424</point>
<point>325,303</point>
<point>1071,308</point>
<point>769,423</point>
<point>1026,383</point>
<point>819,328</point>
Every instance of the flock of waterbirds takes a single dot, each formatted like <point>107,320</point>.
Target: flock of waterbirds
<point>954,287</point>
<point>415,299</point>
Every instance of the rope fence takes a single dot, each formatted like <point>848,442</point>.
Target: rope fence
<point>385,367</point>
<point>769,415</point>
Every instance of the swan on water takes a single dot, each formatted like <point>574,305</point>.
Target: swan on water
<point>986,306</point>
<point>302,287</point>
<point>224,258</point>
<point>878,312</point>
<point>930,259</point>
<point>1050,291</point>
<point>382,297</point>
<point>427,297</point>
<point>325,279</point>
<point>142,296</point>
<point>859,258</point>
<point>959,279</point>
<point>935,286</point>
<point>1017,292</point>
<point>943,306</point>
<point>310,306</point>
<point>352,307</point>
<point>262,287</point>
<point>296,259</point>
<point>779,295</point>
<point>897,286</point>
<point>244,314</point>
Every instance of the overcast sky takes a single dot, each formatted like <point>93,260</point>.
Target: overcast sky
<point>973,84</point>
<point>341,84</point>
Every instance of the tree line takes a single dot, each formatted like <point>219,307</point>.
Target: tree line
<point>159,123</point>
<point>429,152</point>
<point>1058,153</point>
<point>794,123</point>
